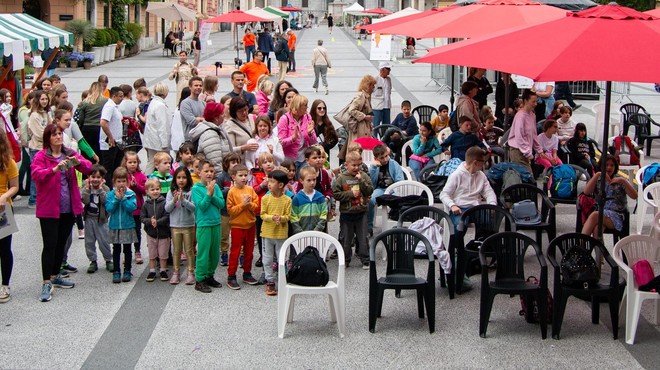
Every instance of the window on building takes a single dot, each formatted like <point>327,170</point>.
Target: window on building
<point>90,11</point>
<point>136,18</point>
<point>305,3</point>
<point>106,15</point>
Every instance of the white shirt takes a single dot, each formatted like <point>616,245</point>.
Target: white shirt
<point>381,98</point>
<point>111,114</point>
<point>465,189</point>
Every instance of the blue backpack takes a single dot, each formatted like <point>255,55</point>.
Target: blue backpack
<point>562,182</point>
<point>651,174</point>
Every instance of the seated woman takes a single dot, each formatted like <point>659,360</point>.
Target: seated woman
<point>617,191</point>
<point>581,148</point>
<point>410,45</point>
<point>169,41</point>
<point>425,146</point>
<point>549,142</point>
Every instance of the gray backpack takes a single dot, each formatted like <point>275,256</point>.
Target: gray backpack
<point>510,177</point>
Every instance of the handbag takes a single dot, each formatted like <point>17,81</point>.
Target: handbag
<point>525,213</point>
<point>423,160</point>
<point>344,117</point>
<point>579,268</point>
<point>131,135</point>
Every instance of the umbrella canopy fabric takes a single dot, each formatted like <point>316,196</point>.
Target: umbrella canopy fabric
<point>401,13</point>
<point>654,12</point>
<point>368,143</point>
<point>604,43</point>
<point>171,11</point>
<point>380,11</point>
<point>236,16</point>
<point>276,11</point>
<point>21,33</point>
<point>572,5</point>
<point>290,9</point>
<point>482,18</point>
<point>385,23</point>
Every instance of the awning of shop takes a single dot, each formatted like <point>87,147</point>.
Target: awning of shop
<point>276,12</point>
<point>32,33</point>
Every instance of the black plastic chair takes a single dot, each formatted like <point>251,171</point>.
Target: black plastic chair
<point>519,192</point>
<point>424,113</point>
<point>487,220</point>
<point>627,110</point>
<point>580,175</point>
<point>427,171</point>
<point>417,213</point>
<point>379,131</point>
<point>510,248</point>
<point>643,130</point>
<point>593,293</point>
<point>400,247</point>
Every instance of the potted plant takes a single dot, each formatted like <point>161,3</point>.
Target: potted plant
<point>114,39</point>
<point>63,61</point>
<point>121,49</point>
<point>134,33</point>
<point>98,46</point>
<point>87,60</point>
<point>75,58</point>
<point>83,32</point>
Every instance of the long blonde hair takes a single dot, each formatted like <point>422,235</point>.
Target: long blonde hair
<point>94,93</point>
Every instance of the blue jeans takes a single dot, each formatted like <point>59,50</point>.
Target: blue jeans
<point>549,103</point>
<point>249,52</point>
<point>456,219</point>
<point>33,184</point>
<point>381,116</point>
<point>372,207</point>
<point>417,166</point>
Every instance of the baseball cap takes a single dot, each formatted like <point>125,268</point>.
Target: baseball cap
<point>382,65</point>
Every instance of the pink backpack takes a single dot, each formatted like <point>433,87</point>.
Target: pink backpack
<point>643,272</point>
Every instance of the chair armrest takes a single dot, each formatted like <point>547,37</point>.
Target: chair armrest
<point>550,257</point>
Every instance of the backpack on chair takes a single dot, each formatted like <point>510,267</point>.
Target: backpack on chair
<point>511,177</point>
<point>561,182</point>
<point>308,269</point>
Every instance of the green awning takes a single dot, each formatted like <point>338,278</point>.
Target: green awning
<point>31,32</point>
<point>276,12</point>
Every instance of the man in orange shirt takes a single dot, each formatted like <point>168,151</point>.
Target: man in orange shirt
<point>254,69</point>
<point>292,50</point>
<point>248,41</point>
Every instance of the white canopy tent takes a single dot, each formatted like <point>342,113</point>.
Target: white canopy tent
<point>259,12</point>
<point>355,9</point>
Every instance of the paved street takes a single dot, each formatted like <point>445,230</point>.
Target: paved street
<point>99,325</point>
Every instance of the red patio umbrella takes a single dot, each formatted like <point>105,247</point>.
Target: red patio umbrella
<point>376,27</point>
<point>379,11</point>
<point>654,12</point>
<point>603,43</point>
<point>236,16</point>
<point>290,9</point>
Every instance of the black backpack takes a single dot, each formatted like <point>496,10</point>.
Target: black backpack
<point>308,269</point>
<point>453,121</point>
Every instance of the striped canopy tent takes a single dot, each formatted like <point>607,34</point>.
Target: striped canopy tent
<point>31,33</point>
<point>276,11</point>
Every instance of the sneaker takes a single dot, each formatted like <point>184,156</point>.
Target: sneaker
<point>213,283</point>
<point>46,291</point>
<point>17,197</point>
<point>202,287</point>
<point>249,279</point>
<point>240,262</point>
<point>333,255</point>
<point>127,277</point>
<point>270,289</point>
<point>259,263</point>
<point>138,258</point>
<point>326,91</point>
<point>70,268</point>
<point>34,206</point>
<point>164,276</point>
<point>81,234</point>
<point>109,266</point>
<point>4,294</point>
<point>175,278</point>
<point>224,260</point>
<point>61,283</point>
<point>152,276</point>
<point>64,273</point>
<point>232,283</point>
<point>365,265</point>
<point>577,106</point>
<point>116,277</point>
<point>190,280</point>
<point>467,286</point>
<point>93,267</point>
<point>262,279</point>
<point>316,89</point>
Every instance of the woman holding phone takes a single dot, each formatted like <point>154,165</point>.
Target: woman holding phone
<point>58,203</point>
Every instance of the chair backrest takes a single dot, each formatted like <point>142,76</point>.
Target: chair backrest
<point>652,195</point>
<point>379,131</point>
<point>626,111</point>
<point>410,187</point>
<point>404,157</point>
<point>487,220</point>
<point>635,248</point>
<point>417,213</point>
<point>320,240</point>
<point>406,173</point>
<point>642,124</point>
<point>444,133</point>
<point>400,247</point>
<point>367,157</point>
<point>427,171</point>
<point>424,113</point>
<point>565,242</point>
<point>509,249</point>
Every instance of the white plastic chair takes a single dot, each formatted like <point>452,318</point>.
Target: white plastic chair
<point>615,123</point>
<point>636,248</point>
<point>402,189</point>
<point>406,173</point>
<point>650,198</point>
<point>367,157</point>
<point>404,160</point>
<point>655,228</point>
<point>445,132</point>
<point>335,290</point>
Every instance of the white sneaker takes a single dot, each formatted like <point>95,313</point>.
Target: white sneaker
<point>81,234</point>
<point>4,294</point>
<point>18,197</point>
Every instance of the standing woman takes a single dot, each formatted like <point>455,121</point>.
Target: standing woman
<point>477,75</point>
<point>325,132</point>
<point>23,118</point>
<point>37,122</point>
<point>58,202</point>
<point>240,126</point>
<point>360,109</point>
<point>296,130</point>
<point>157,133</point>
<point>8,188</point>
<point>89,116</point>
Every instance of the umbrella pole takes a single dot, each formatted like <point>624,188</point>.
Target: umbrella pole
<point>603,154</point>
<point>507,94</point>
<point>451,97</point>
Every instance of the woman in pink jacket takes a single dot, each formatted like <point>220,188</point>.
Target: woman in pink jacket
<point>58,203</point>
<point>296,130</point>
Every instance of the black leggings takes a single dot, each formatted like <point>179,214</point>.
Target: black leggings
<point>116,257</point>
<point>6,259</point>
<point>138,232</point>
<point>54,233</point>
<point>80,225</point>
